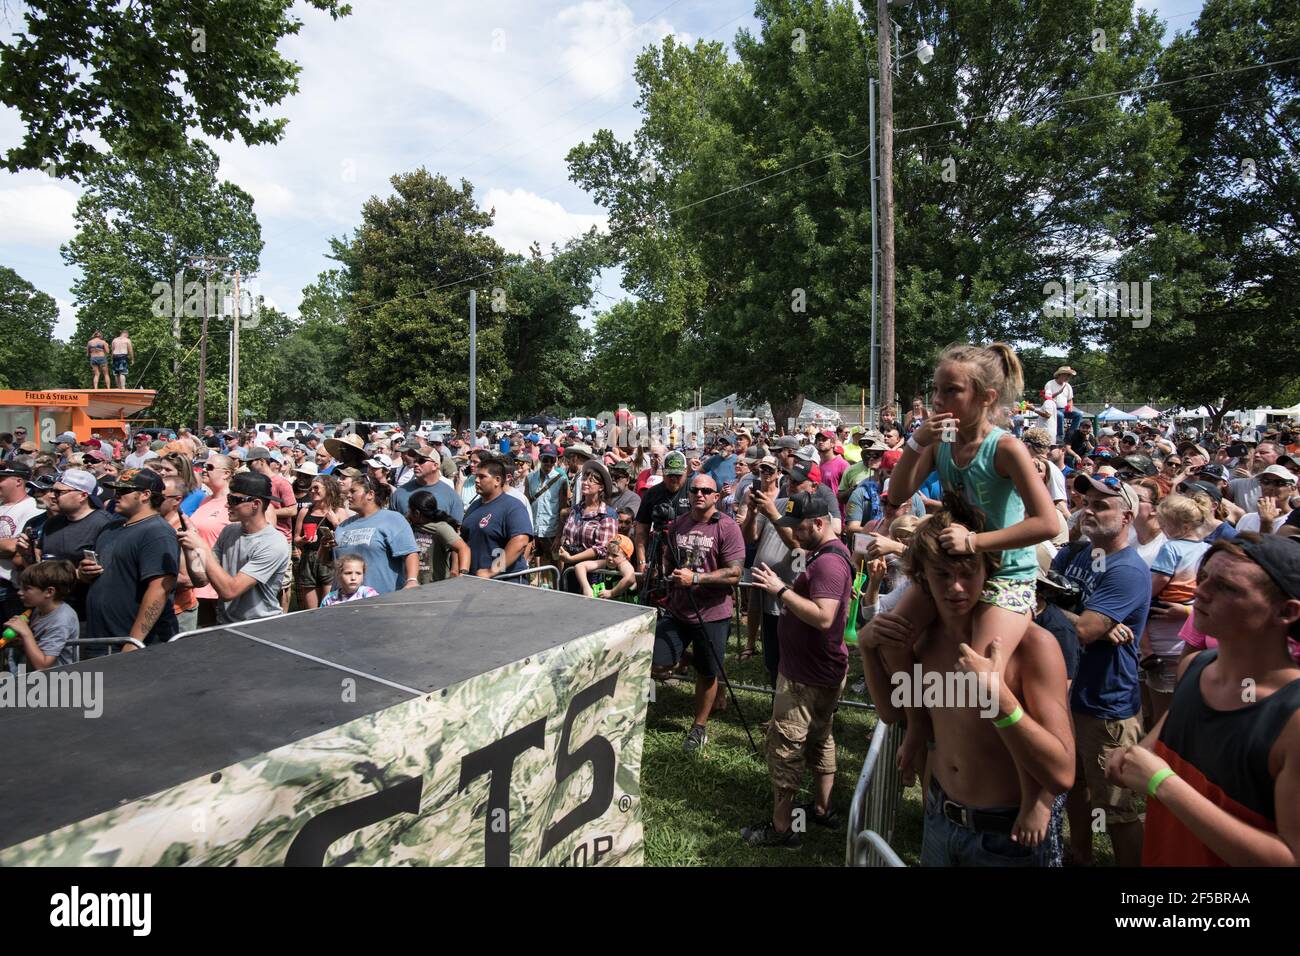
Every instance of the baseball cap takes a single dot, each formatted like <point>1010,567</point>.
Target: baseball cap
<point>1278,555</point>
<point>624,544</point>
<point>801,506</point>
<point>1129,437</point>
<point>1111,487</point>
<point>1142,464</point>
<point>78,480</point>
<point>1277,471</point>
<point>578,448</point>
<point>1215,471</point>
<point>66,438</point>
<point>891,458</point>
<point>140,479</point>
<point>1203,487</point>
<point>675,464</point>
<point>258,453</point>
<point>252,484</point>
<point>807,453</point>
<point>307,468</point>
<point>826,433</point>
<point>547,450</point>
<point>15,469</point>
<point>1185,446</point>
<point>786,441</point>
<point>379,461</point>
<point>38,486</point>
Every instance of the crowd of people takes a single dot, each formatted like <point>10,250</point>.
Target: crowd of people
<point>1131,594</point>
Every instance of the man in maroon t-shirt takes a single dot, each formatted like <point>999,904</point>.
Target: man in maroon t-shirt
<point>814,664</point>
<point>706,554</point>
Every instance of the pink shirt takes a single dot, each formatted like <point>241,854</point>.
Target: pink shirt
<point>208,520</point>
<point>1203,642</point>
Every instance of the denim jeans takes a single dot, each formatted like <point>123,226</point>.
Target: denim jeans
<point>945,843</point>
<point>1061,428</point>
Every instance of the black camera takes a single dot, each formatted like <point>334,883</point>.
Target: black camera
<point>1061,591</point>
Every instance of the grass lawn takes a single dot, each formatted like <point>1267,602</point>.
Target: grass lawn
<point>694,805</point>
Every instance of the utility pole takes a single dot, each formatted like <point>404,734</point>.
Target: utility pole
<point>883,34</point>
<point>232,413</point>
<point>473,361</point>
<point>208,262</point>
<point>874,358</point>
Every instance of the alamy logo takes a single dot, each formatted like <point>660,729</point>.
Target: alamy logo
<point>1099,300</point>
<point>75,909</point>
<point>80,690</point>
<point>949,689</point>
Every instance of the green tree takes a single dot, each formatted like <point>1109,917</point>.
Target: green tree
<point>313,360</point>
<point>635,359</point>
<point>743,202</point>
<point>27,346</point>
<point>1222,253</point>
<point>408,269</point>
<point>144,75</point>
<point>543,337</point>
<point>137,224</point>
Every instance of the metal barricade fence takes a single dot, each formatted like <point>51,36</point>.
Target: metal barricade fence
<point>875,802</point>
<point>544,569</point>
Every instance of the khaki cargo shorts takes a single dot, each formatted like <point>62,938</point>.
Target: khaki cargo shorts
<point>1094,740</point>
<point>799,735</point>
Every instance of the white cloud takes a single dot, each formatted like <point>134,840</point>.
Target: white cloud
<point>523,217</point>
<point>603,40</point>
<point>36,213</point>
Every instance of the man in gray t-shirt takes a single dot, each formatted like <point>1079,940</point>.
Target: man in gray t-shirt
<point>263,556</point>
<point>247,563</point>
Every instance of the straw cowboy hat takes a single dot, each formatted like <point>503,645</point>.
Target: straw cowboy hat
<point>349,449</point>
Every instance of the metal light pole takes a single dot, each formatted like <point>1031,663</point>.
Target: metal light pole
<point>886,81</point>
<point>473,361</point>
<point>874,359</point>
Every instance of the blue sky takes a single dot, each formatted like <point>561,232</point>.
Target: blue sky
<point>495,91</point>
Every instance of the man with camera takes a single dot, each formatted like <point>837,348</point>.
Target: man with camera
<point>661,504</point>
<point>705,555</point>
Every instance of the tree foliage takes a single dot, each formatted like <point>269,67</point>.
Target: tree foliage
<point>144,75</point>
<point>1222,251</point>
<point>138,221</point>
<point>408,270</point>
<point>543,338</point>
<point>27,345</point>
<point>742,204</point>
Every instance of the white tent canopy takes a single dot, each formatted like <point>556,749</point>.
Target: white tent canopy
<point>1146,413</point>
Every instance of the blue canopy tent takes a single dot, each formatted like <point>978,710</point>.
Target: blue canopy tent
<point>1112,414</point>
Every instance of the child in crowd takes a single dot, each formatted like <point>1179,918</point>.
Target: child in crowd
<point>349,572</point>
<point>993,474</point>
<point>1173,585</point>
<point>46,631</point>
<point>618,557</point>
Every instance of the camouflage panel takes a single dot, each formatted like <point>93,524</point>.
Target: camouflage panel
<point>254,813</point>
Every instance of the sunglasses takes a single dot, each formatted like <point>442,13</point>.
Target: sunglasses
<point>238,500</point>
<point>704,491</point>
<point>1275,481</point>
<point>767,471</point>
<point>215,468</point>
<point>1109,481</point>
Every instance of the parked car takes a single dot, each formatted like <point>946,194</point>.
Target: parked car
<point>304,427</point>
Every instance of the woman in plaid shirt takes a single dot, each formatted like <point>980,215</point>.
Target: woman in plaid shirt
<point>592,524</point>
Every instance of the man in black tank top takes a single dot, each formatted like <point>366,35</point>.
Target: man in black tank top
<point>1222,768</point>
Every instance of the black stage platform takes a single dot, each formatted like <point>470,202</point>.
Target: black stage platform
<point>224,695</point>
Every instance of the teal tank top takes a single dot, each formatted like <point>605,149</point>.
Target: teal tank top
<point>992,496</point>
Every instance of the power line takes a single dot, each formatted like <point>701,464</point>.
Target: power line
<point>1096,96</point>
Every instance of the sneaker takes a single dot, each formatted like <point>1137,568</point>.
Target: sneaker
<point>696,739</point>
<point>860,687</point>
<point>828,819</point>
<point>765,835</point>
